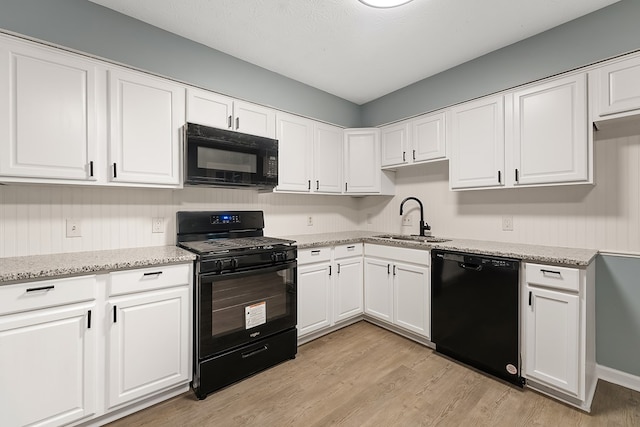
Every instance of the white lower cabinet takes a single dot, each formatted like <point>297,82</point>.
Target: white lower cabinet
<point>148,336</point>
<point>559,332</point>
<point>329,287</point>
<point>397,287</point>
<point>91,349</point>
<point>47,352</point>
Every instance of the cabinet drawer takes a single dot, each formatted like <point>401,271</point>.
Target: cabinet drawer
<point>553,277</point>
<point>46,293</point>
<point>307,256</point>
<point>145,279</point>
<point>345,251</point>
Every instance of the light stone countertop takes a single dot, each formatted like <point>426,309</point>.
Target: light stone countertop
<point>38,267</point>
<point>532,253</point>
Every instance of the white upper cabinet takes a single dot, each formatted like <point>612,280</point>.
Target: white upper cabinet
<point>211,109</point>
<point>327,158</point>
<point>48,112</point>
<point>428,138</point>
<point>477,144</point>
<point>394,144</point>
<point>412,141</point>
<point>309,155</point>
<point>362,168</point>
<point>295,150</point>
<point>617,89</point>
<point>550,141</point>
<point>145,117</point>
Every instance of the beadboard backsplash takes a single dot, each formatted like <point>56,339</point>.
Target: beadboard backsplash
<point>33,217</point>
<point>605,216</point>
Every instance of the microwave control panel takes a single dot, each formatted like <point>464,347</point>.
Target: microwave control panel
<point>270,166</point>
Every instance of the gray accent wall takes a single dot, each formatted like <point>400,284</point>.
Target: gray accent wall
<point>602,34</point>
<point>90,28</point>
<point>618,313</point>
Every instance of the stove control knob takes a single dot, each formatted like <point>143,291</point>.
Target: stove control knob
<point>278,256</point>
<point>234,263</point>
<point>219,265</point>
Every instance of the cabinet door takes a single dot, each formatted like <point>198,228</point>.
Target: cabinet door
<point>428,138</point>
<point>254,119</point>
<point>295,148</point>
<point>412,298</point>
<point>619,87</point>
<point>148,343</point>
<point>146,115</point>
<point>550,132</point>
<point>348,293</point>
<point>394,143</point>
<point>362,161</point>
<point>378,289</point>
<point>314,297</point>
<point>553,339</point>
<point>477,144</point>
<point>48,113</point>
<point>209,109</point>
<point>327,158</point>
<point>47,363</point>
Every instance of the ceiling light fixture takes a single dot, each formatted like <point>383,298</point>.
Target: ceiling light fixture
<point>384,4</point>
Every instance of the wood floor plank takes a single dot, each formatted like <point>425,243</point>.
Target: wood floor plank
<point>363,375</point>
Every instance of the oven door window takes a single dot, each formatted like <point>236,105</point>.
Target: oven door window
<point>238,308</point>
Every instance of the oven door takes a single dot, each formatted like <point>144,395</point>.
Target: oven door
<point>220,157</point>
<point>241,307</point>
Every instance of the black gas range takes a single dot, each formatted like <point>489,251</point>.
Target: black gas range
<point>245,296</point>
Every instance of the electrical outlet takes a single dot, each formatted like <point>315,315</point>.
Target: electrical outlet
<point>507,223</point>
<point>407,221</point>
<point>369,219</point>
<point>73,228</point>
<point>157,225</point>
<point>309,220</point>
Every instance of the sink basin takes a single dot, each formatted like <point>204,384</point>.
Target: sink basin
<point>412,238</point>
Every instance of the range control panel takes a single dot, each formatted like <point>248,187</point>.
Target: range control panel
<point>225,219</point>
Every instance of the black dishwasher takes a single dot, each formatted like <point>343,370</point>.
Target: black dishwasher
<point>475,311</point>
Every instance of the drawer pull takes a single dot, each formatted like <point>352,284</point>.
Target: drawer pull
<point>350,248</point>
<point>255,352</point>
<point>41,288</point>
<point>315,252</point>
<point>551,272</point>
<point>153,273</point>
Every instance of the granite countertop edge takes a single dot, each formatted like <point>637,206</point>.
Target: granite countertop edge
<point>54,266</point>
<point>526,252</point>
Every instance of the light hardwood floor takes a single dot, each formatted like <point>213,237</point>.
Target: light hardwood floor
<point>363,375</point>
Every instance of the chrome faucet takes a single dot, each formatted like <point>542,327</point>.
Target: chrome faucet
<point>423,226</point>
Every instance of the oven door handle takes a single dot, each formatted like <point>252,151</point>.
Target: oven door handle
<point>255,352</point>
<point>251,271</point>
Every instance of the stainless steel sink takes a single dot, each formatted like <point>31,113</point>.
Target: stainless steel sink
<point>412,238</point>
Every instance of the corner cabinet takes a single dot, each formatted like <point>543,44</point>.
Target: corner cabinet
<point>48,112</point>
<point>145,118</point>
<point>362,167</point>
<point>47,351</point>
<point>149,332</point>
<point>398,287</point>
<point>558,311</point>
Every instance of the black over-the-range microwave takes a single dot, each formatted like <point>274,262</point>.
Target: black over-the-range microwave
<point>220,157</point>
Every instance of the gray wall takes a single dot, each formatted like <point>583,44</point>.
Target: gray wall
<point>618,313</point>
<point>85,26</point>
<point>602,34</point>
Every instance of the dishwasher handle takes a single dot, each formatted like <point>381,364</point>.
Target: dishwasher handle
<point>472,267</point>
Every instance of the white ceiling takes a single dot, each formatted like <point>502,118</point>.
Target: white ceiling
<point>351,50</point>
